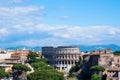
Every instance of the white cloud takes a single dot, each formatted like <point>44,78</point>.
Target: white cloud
<point>24,25</point>
<point>86,35</point>
<point>44,27</point>
<point>66,35</point>
<point>30,32</point>
<point>83,35</point>
<point>7,2</point>
<point>38,42</point>
<point>17,11</point>
<point>18,1</point>
<point>20,17</point>
<point>64,17</point>
<point>3,33</point>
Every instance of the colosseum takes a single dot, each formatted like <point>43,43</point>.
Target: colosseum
<point>62,57</point>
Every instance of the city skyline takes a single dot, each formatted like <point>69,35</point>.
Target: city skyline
<point>59,22</point>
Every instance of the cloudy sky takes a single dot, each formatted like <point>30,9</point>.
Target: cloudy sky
<point>59,22</point>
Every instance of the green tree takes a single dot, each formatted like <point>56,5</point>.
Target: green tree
<point>97,68</point>
<point>3,74</point>
<point>75,68</point>
<point>117,53</point>
<point>43,71</point>
<point>95,77</point>
<point>45,60</point>
<point>111,79</point>
<point>41,66</point>
<point>31,57</point>
<point>20,71</point>
<point>45,75</point>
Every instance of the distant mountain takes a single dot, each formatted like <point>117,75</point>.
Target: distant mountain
<point>23,48</point>
<point>98,47</point>
<point>81,47</point>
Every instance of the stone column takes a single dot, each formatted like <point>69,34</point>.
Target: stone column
<point>64,57</point>
<point>58,62</point>
<point>74,63</point>
<point>67,62</point>
<point>67,57</point>
<point>73,56</point>
<point>70,56</point>
<point>64,62</point>
<point>70,62</point>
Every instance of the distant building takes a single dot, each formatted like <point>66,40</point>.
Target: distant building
<point>4,54</point>
<point>2,51</point>
<point>21,56</point>
<point>104,58</point>
<point>113,73</point>
<point>62,57</point>
<point>13,57</point>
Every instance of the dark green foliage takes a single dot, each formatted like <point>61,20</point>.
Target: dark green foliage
<point>111,79</point>
<point>3,73</point>
<point>32,57</point>
<point>41,66</point>
<point>117,53</point>
<point>45,75</point>
<point>95,77</point>
<point>97,68</point>
<point>43,71</point>
<point>19,71</point>
<point>42,60</point>
<point>104,77</point>
<point>75,68</point>
<point>20,67</point>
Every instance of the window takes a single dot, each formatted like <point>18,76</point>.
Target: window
<point>65,62</point>
<point>72,62</point>
<point>62,62</point>
<point>68,62</point>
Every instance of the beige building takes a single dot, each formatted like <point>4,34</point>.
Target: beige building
<point>5,55</point>
<point>13,57</point>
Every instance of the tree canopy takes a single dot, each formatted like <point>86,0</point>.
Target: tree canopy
<point>95,77</point>
<point>19,71</point>
<point>98,68</point>
<point>3,73</point>
<point>43,71</point>
<point>32,57</point>
<point>45,75</point>
<point>117,53</point>
<point>45,60</point>
<point>75,68</point>
<point>20,67</point>
<point>41,66</point>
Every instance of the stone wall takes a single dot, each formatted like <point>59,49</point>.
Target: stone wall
<point>62,57</point>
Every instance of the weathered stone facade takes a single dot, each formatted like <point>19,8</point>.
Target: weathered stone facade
<point>62,57</point>
<point>107,59</point>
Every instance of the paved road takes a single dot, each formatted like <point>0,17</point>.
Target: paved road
<point>32,70</point>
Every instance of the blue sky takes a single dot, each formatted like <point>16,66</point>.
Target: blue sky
<point>59,22</point>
